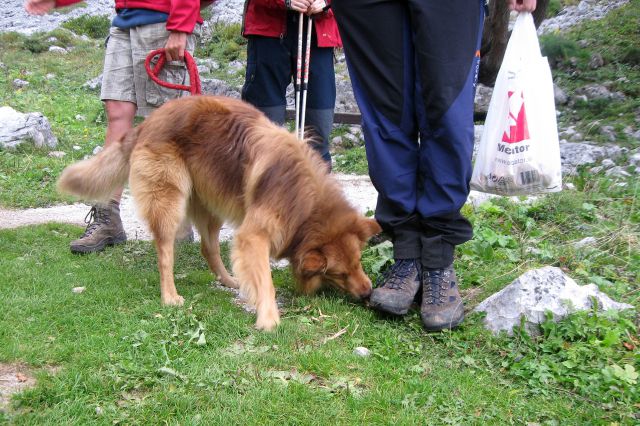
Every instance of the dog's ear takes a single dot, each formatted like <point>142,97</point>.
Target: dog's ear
<point>368,228</point>
<point>313,262</point>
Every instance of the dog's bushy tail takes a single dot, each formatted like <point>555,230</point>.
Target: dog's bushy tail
<point>98,177</point>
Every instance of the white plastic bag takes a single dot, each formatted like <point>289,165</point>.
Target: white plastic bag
<point>519,152</point>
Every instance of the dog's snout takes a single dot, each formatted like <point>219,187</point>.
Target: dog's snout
<point>364,289</point>
<point>366,293</point>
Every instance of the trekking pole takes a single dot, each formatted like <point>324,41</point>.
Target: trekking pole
<point>305,81</point>
<point>299,72</point>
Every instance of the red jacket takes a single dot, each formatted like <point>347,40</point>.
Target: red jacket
<point>269,18</point>
<point>183,15</point>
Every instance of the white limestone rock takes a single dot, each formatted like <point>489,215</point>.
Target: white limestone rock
<point>17,128</point>
<point>536,292</point>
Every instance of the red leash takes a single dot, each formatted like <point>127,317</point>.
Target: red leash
<point>194,77</point>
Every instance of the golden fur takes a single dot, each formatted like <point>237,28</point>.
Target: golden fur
<point>217,159</point>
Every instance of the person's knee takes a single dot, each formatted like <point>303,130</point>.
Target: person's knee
<point>120,111</point>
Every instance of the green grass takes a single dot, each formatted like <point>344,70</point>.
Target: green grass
<point>114,347</point>
<point>616,38</point>
<point>353,161</point>
<point>225,46</point>
<point>60,98</point>
<point>90,25</point>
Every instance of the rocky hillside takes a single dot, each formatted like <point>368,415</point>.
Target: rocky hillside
<point>596,83</point>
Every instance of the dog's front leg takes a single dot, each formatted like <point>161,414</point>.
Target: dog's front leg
<point>250,256</point>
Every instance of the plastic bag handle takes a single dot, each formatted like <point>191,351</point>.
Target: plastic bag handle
<point>523,42</point>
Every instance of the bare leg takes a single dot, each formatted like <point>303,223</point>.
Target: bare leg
<point>120,116</point>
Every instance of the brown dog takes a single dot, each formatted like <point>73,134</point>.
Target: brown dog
<point>217,159</point>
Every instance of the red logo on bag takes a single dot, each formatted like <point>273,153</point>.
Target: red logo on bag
<point>518,129</point>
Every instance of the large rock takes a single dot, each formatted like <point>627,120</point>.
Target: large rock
<point>559,95</point>
<point>482,98</point>
<point>213,86</point>
<point>536,292</point>
<point>228,11</point>
<point>93,84</point>
<point>575,154</point>
<point>585,10</point>
<point>598,92</point>
<point>17,128</point>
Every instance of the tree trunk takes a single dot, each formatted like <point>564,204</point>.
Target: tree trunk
<point>496,36</point>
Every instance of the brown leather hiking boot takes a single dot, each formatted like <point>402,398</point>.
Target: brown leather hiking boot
<point>104,228</point>
<point>185,233</point>
<point>399,286</point>
<point>441,302</point>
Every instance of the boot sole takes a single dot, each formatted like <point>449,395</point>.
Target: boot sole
<point>389,309</point>
<point>111,241</point>
<point>447,326</point>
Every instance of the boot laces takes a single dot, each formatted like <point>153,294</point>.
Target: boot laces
<point>395,277</point>
<point>434,284</point>
<point>94,219</point>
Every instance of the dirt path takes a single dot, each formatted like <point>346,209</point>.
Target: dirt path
<point>358,190</point>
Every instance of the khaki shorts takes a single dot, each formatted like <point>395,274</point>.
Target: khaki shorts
<point>125,78</point>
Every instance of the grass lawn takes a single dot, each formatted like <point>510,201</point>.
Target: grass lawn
<point>112,354</point>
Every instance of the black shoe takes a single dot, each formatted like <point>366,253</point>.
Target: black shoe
<point>442,306</point>
<point>399,286</point>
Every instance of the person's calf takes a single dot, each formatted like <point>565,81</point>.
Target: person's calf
<point>318,123</point>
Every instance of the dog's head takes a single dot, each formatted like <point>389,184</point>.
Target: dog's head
<point>337,262</point>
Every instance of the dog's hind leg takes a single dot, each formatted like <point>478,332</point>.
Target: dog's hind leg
<point>250,256</point>
<point>209,226</point>
<point>160,184</point>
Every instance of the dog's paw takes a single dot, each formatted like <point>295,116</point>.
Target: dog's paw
<point>176,300</point>
<point>269,320</point>
<point>230,282</point>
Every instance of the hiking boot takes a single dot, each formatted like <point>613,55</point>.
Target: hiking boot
<point>441,302</point>
<point>104,228</point>
<point>399,286</point>
<point>185,233</point>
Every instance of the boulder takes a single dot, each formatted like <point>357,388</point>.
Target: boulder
<point>559,95</point>
<point>575,154</point>
<point>596,61</point>
<point>482,99</point>
<point>58,49</point>
<point>17,128</point>
<point>213,86</point>
<point>539,291</point>
<point>19,83</point>
<point>598,91</point>
<point>93,84</point>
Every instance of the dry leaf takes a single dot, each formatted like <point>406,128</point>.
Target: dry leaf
<point>335,336</point>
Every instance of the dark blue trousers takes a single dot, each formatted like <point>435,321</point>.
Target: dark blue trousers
<point>271,66</point>
<point>413,66</point>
